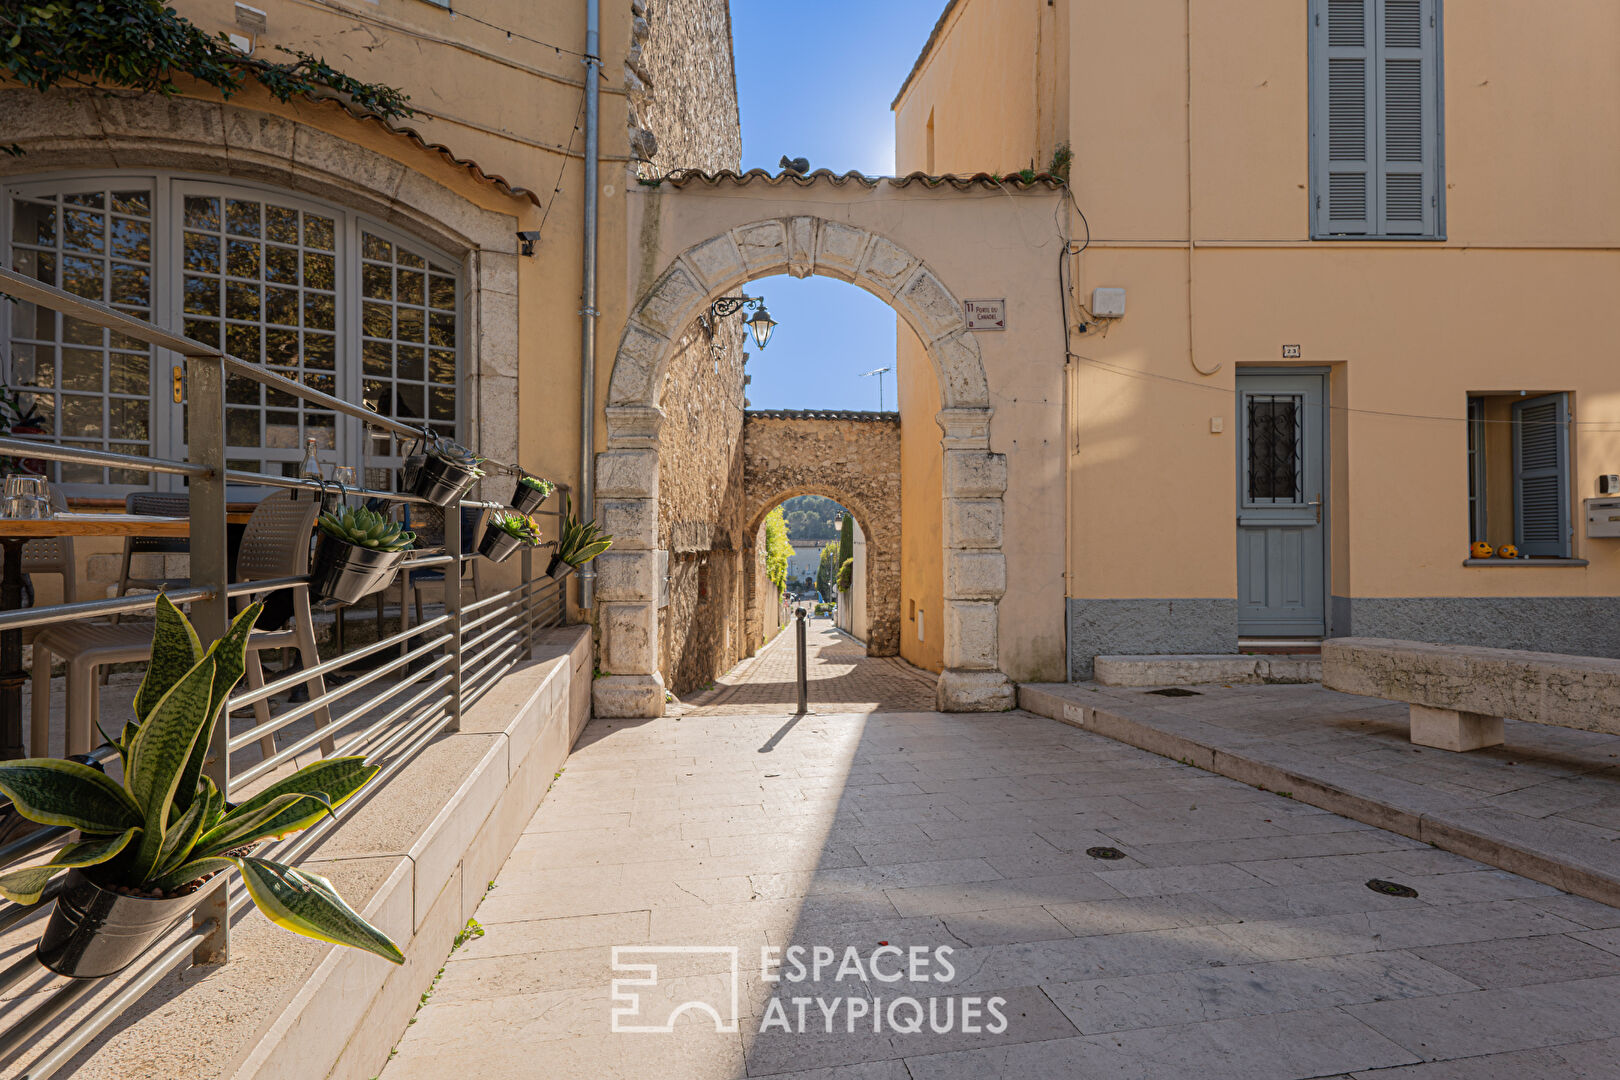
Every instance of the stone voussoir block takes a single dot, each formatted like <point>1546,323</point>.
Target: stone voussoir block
<point>627,474</point>
<point>961,370</point>
<point>629,637</point>
<point>929,306</point>
<point>718,262</point>
<point>626,575</point>
<point>973,523</point>
<point>763,246</point>
<point>975,474</point>
<point>839,248</point>
<point>670,304</point>
<point>635,367</point>
<point>970,634</point>
<point>975,575</point>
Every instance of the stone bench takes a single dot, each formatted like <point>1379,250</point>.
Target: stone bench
<point>1458,694</point>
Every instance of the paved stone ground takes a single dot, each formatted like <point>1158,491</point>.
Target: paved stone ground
<point>1235,939</point>
<point>840,678</point>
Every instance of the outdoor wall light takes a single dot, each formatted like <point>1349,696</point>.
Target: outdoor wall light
<point>760,323</point>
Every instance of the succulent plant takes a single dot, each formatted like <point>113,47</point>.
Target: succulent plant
<point>517,526</point>
<point>452,453</point>
<point>167,827</point>
<point>544,487</point>
<point>579,543</point>
<point>367,529</point>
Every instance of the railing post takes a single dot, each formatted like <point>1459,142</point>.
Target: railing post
<point>526,601</point>
<point>210,568</point>
<point>452,606</point>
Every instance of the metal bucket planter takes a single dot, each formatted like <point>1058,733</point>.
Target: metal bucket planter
<point>95,932</point>
<point>557,569</point>
<point>347,572</point>
<point>527,500</point>
<point>440,482</point>
<point>498,544</point>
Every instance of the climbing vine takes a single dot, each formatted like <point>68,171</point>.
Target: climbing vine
<point>777,549</point>
<point>142,45</point>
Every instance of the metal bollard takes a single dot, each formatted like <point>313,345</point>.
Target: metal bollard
<point>804,688</point>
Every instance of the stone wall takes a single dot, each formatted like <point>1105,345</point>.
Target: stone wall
<point>700,509</point>
<point>853,457</point>
<point>683,88</point>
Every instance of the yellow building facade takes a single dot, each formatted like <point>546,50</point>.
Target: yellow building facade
<point>1337,308</point>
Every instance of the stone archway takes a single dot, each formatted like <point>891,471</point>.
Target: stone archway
<point>852,458</point>
<point>974,479</point>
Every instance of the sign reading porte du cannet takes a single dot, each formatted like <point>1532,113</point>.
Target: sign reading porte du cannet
<point>985,314</point>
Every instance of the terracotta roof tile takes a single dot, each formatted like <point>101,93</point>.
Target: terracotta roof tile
<point>854,415</point>
<point>682,178</point>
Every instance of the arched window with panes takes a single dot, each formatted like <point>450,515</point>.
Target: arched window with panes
<point>314,292</point>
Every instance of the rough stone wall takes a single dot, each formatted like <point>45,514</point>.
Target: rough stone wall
<point>700,509</point>
<point>683,87</point>
<point>851,457</point>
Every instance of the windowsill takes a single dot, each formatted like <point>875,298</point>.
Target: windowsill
<point>1521,564</point>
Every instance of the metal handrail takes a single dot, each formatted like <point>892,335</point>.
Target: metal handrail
<point>395,708</point>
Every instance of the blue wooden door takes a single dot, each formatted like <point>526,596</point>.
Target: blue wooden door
<point>1282,557</point>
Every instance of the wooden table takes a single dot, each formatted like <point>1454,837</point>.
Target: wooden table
<point>14,533</point>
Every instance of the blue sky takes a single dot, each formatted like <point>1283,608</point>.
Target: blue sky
<point>814,80</point>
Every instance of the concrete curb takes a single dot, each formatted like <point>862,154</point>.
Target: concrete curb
<point>1533,848</point>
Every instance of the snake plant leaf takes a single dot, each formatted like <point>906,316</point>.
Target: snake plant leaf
<point>25,886</point>
<point>283,814</point>
<point>55,791</point>
<point>181,837</point>
<point>336,778</point>
<point>307,904</point>
<point>160,754</point>
<point>175,651</point>
<point>215,799</point>
<point>230,657</point>
<point>188,872</point>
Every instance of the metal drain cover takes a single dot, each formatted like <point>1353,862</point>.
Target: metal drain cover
<point>1105,853</point>
<point>1391,888</point>
<point>1175,691</point>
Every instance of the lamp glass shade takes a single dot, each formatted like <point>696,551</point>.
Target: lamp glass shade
<point>761,324</point>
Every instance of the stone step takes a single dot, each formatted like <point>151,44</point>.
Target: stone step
<point>1191,669</point>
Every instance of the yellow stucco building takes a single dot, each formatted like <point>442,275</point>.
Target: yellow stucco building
<point>1337,310</point>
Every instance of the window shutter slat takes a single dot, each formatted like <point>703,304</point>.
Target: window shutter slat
<point>1408,117</point>
<point>1343,115</point>
<point>1541,475</point>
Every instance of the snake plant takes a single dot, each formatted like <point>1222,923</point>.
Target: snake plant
<point>366,528</point>
<point>579,543</point>
<point>454,454</point>
<point>167,827</point>
<point>517,526</point>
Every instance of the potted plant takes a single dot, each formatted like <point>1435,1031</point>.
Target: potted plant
<point>577,545</point>
<point>447,472</point>
<point>531,493</point>
<point>356,552</point>
<point>149,845</point>
<point>505,533</point>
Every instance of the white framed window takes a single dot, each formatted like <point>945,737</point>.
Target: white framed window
<point>314,292</point>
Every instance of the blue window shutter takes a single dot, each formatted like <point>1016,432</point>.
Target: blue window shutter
<point>1408,118</point>
<point>1541,499</point>
<point>1343,117</point>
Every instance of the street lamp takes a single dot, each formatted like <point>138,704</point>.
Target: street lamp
<point>760,323</point>
<point>879,372</point>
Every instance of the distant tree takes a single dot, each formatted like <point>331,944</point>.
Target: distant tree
<point>827,573</point>
<point>846,575</point>
<point>846,540</point>
<point>810,517</point>
<point>777,549</point>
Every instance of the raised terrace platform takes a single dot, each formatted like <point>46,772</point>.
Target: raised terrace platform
<point>1545,804</point>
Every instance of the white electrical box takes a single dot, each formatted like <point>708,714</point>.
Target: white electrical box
<point>1107,303</point>
<point>1603,517</point>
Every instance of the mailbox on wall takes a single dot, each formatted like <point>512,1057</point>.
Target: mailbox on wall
<point>1603,517</point>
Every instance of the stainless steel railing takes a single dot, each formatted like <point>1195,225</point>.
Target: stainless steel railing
<point>386,699</point>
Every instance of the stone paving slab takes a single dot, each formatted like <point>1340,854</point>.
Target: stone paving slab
<point>1235,938</point>
<point>1546,804</point>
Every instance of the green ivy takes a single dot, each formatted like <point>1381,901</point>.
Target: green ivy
<point>142,45</point>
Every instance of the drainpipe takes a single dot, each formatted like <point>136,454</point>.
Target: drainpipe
<point>587,309</point>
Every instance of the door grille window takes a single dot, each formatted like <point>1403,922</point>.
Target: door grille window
<point>1275,433</point>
